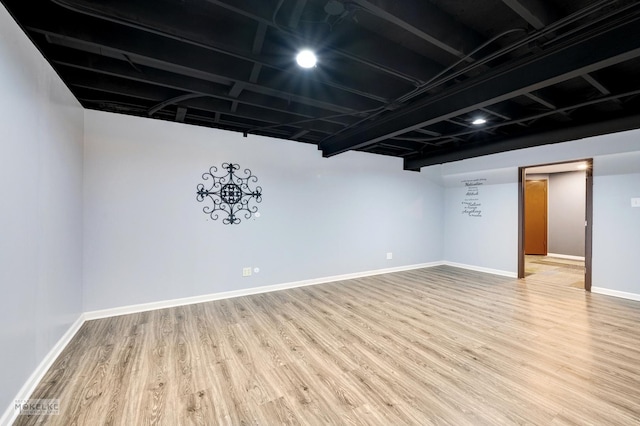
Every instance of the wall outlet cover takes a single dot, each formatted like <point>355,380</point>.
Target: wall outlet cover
<point>389,256</point>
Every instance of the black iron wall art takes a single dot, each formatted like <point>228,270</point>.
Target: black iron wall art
<point>230,195</point>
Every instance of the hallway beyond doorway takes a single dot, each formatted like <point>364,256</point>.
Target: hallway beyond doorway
<point>563,272</point>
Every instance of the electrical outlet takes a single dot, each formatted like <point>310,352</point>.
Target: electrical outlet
<point>246,272</point>
<point>635,202</point>
<point>389,256</point>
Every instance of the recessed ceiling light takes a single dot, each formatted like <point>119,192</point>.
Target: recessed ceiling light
<point>479,121</point>
<point>306,59</point>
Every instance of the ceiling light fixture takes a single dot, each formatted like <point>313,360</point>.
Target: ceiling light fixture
<point>306,59</point>
<point>479,121</point>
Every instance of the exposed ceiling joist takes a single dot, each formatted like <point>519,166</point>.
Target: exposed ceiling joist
<point>392,76</point>
<point>595,83</point>
<point>191,61</point>
<point>163,98</point>
<point>379,53</point>
<point>493,112</point>
<point>427,22</point>
<point>492,126</point>
<point>107,66</point>
<point>236,89</point>
<point>296,14</point>
<point>299,134</point>
<point>428,132</point>
<point>563,134</point>
<point>258,41</point>
<point>542,100</point>
<point>167,20</point>
<point>537,13</point>
<point>197,32</point>
<point>569,60</point>
<point>181,113</point>
<point>363,46</point>
<point>172,101</point>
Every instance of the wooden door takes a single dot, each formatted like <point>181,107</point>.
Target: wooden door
<point>535,217</point>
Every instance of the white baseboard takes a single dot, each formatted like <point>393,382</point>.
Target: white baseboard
<point>565,256</point>
<point>481,269</point>
<point>11,414</point>
<point>131,309</point>
<point>616,293</point>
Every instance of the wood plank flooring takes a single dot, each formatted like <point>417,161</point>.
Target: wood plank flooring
<point>554,270</point>
<point>431,346</point>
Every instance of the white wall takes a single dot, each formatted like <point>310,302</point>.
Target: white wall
<point>492,239</point>
<point>147,239</point>
<point>41,146</point>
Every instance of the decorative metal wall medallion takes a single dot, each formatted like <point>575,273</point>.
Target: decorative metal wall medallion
<point>229,194</point>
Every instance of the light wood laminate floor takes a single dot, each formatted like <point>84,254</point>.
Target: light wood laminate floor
<point>431,346</point>
<point>553,270</point>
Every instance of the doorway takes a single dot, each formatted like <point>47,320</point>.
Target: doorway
<point>554,218</point>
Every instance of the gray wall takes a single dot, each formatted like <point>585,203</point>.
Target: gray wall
<point>566,219</point>
<point>616,225</point>
<point>484,241</point>
<point>147,239</point>
<point>41,137</point>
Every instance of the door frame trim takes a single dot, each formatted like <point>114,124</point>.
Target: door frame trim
<point>588,240</point>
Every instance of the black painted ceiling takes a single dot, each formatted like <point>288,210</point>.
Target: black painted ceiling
<point>395,77</point>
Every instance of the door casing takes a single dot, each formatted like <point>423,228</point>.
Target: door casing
<point>588,213</point>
